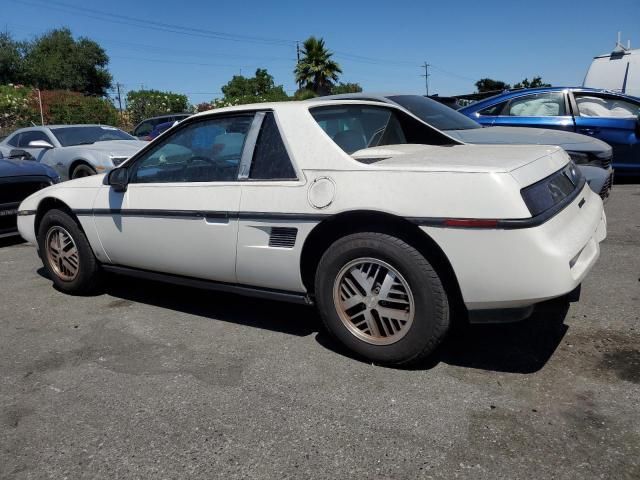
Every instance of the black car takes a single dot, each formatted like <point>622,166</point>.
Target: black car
<point>19,179</point>
<point>145,127</point>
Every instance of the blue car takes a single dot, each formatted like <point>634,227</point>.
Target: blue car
<point>609,116</point>
<point>19,178</point>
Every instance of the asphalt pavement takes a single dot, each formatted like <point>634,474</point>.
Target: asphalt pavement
<point>155,381</point>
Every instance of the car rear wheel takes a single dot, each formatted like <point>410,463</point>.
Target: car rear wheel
<point>82,170</point>
<point>66,254</point>
<point>381,298</point>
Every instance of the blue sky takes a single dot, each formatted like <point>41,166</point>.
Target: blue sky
<point>506,40</point>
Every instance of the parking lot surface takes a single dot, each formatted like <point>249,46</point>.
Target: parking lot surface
<point>155,381</point>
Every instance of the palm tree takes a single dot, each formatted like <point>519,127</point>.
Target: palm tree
<point>315,70</point>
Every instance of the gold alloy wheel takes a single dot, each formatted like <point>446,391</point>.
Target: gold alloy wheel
<point>62,253</point>
<point>373,301</point>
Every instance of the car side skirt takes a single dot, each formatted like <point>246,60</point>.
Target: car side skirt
<point>257,292</point>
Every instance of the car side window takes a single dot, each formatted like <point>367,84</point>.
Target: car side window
<point>590,105</point>
<point>270,158</point>
<point>143,129</point>
<point>31,136</point>
<point>493,110</point>
<point>203,151</point>
<point>14,139</point>
<point>540,105</point>
<point>356,127</point>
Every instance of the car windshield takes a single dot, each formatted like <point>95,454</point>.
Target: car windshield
<point>69,136</point>
<point>434,113</point>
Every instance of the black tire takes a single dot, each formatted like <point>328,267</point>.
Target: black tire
<point>82,170</point>
<point>89,273</point>
<point>431,309</point>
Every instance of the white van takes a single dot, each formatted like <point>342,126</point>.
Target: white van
<point>618,71</point>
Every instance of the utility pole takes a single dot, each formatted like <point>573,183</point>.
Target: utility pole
<point>119,97</point>
<point>426,76</point>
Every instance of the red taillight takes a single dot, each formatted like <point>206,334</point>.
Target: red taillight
<point>470,223</point>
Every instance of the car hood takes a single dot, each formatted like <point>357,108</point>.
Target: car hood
<point>531,136</point>
<point>17,168</point>
<point>459,158</point>
<point>114,147</point>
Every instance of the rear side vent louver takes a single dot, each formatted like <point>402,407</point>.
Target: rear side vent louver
<point>283,237</point>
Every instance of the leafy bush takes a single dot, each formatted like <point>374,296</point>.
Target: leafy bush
<point>16,107</point>
<point>143,104</point>
<point>62,107</point>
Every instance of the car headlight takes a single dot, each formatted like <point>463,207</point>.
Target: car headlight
<point>117,160</point>
<point>580,158</point>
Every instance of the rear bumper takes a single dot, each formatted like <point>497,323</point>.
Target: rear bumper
<point>517,268</point>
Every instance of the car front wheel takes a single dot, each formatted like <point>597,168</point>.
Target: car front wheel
<point>82,170</point>
<point>381,298</point>
<point>66,254</point>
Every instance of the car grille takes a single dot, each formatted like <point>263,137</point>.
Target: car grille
<point>606,188</point>
<point>606,161</point>
<point>14,190</point>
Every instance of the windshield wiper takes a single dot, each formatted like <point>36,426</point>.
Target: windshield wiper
<point>84,143</point>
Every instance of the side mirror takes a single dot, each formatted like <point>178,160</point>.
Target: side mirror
<point>18,154</point>
<point>39,144</point>
<point>118,178</point>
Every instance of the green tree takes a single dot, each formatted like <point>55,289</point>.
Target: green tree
<point>316,70</point>
<point>57,61</point>
<point>260,88</point>
<point>143,104</point>
<point>490,85</point>
<point>346,88</point>
<point>11,60</point>
<point>536,82</point>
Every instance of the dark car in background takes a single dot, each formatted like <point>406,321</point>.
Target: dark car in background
<point>145,127</point>
<point>602,114</point>
<point>18,180</point>
<point>160,129</point>
<point>592,155</point>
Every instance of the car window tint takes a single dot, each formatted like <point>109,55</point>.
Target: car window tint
<point>14,139</point>
<point>541,105</point>
<point>205,151</point>
<point>493,110</point>
<point>144,129</point>
<point>599,106</point>
<point>434,113</point>
<point>355,127</point>
<point>270,157</point>
<point>27,137</point>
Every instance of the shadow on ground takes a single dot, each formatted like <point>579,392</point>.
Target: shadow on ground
<point>522,347</point>
<point>10,241</point>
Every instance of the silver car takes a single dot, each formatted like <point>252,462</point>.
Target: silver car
<point>74,151</point>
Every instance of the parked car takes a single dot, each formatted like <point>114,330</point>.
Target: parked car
<point>582,149</point>
<point>340,204</point>
<point>145,127</point>
<point>602,114</point>
<point>160,129</point>
<point>74,151</point>
<point>18,180</point>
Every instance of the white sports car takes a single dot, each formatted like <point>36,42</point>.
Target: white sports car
<point>334,204</point>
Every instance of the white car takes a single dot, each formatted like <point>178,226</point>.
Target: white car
<point>333,204</point>
<point>73,151</point>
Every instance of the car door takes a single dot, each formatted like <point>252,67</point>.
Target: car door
<point>270,232</point>
<point>542,110</point>
<point>31,135</point>
<point>179,212</point>
<point>613,119</point>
